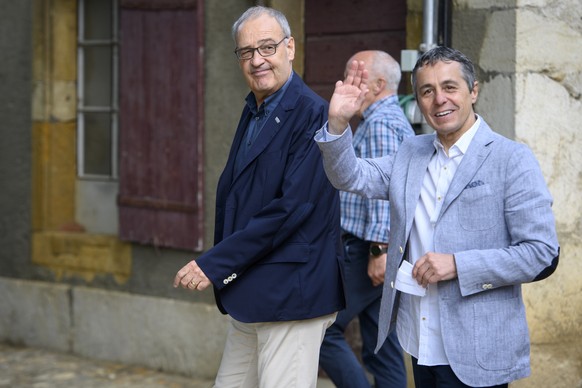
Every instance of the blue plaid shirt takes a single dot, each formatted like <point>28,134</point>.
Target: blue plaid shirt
<point>383,127</point>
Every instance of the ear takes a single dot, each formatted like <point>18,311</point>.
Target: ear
<point>475,92</point>
<point>378,86</point>
<point>290,47</point>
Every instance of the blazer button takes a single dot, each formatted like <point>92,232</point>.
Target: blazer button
<point>225,281</point>
<point>391,284</point>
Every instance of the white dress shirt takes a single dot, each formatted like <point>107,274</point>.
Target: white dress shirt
<point>418,325</point>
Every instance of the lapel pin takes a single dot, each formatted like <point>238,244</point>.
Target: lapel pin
<point>277,120</point>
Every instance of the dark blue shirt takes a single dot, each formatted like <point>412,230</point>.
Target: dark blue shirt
<point>258,120</point>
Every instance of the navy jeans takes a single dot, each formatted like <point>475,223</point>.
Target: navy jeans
<point>363,300</point>
<point>440,376</point>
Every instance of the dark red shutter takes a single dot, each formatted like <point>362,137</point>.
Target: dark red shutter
<point>161,123</point>
<point>331,38</point>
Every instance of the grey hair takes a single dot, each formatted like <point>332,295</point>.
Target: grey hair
<point>446,54</point>
<point>257,11</point>
<point>384,66</point>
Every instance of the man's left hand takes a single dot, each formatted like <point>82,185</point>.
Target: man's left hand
<point>434,267</point>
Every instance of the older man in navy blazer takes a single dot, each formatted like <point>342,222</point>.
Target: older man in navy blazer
<point>275,265</point>
<point>471,221</point>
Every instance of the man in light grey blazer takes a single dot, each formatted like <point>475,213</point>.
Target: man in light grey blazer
<point>471,221</point>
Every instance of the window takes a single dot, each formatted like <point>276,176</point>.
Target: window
<point>97,116</point>
<point>97,89</point>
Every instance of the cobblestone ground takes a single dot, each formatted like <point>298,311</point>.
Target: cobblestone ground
<point>36,368</point>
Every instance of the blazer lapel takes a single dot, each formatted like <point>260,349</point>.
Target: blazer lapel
<point>274,123</point>
<point>227,177</point>
<point>266,135</point>
<point>417,165</point>
<point>476,154</point>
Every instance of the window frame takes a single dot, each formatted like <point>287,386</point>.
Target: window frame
<point>112,109</point>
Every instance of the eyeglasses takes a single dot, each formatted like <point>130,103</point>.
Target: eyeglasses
<point>265,50</point>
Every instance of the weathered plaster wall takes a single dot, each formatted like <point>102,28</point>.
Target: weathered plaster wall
<point>529,57</point>
<point>15,136</point>
<point>225,90</point>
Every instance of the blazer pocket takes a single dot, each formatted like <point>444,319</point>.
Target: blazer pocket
<point>478,208</point>
<point>501,334</point>
<point>288,253</point>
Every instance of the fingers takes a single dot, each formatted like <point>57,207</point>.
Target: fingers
<point>347,98</point>
<point>377,269</point>
<point>434,267</point>
<point>356,74</point>
<point>351,73</point>
<point>377,281</point>
<point>375,278</point>
<point>424,275</point>
<point>422,271</point>
<point>191,277</point>
<point>193,284</point>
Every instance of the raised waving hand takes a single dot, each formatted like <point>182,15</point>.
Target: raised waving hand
<point>347,97</point>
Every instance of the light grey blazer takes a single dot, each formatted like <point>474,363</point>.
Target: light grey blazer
<point>497,221</point>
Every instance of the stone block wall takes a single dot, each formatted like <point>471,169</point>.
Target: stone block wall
<point>159,333</point>
<point>529,58</point>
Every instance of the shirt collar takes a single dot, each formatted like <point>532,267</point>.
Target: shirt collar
<point>270,102</point>
<point>386,100</point>
<point>462,144</point>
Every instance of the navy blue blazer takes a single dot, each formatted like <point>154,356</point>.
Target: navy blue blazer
<point>277,253</point>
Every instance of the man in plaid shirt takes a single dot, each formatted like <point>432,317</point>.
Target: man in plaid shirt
<point>365,226</point>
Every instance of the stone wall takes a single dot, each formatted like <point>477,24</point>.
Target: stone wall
<point>529,59</point>
<point>164,334</point>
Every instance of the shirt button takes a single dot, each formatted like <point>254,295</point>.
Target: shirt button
<point>401,250</point>
<point>391,284</point>
<point>487,286</point>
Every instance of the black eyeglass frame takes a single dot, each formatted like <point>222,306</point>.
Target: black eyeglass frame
<point>252,50</point>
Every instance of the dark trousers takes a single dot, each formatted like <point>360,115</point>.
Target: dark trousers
<point>440,376</point>
<point>363,300</point>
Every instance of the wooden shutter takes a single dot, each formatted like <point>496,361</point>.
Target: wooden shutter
<point>161,123</point>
